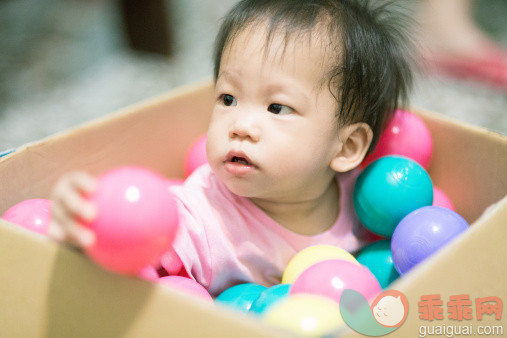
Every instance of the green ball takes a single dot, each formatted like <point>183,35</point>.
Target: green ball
<point>378,258</point>
<point>389,189</point>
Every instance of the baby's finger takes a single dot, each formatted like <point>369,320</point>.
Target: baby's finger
<point>60,217</point>
<point>77,207</point>
<point>65,228</point>
<point>79,235</point>
<point>83,182</point>
<point>56,231</point>
<point>70,204</point>
<point>73,234</point>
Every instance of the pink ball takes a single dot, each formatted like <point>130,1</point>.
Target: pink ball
<point>196,155</point>
<point>171,262</point>
<point>186,285</point>
<point>149,273</point>
<point>406,135</point>
<point>329,278</point>
<point>32,214</point>
<point>136,219</point>
<point>175,182</point>
<point>440,199</point>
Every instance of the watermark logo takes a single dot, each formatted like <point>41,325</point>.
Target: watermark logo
<point>386,314</point>
<point>459,307</point>
<point>460,313</point>
<point>390,309</point>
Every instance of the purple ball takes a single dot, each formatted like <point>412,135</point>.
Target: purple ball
<point>423,232</point>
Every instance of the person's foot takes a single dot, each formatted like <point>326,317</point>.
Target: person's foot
<point>455,46</point>
<point>489,66</point>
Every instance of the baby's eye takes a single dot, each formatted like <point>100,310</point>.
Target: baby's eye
<point>228,100</point>
<point>276,108</point>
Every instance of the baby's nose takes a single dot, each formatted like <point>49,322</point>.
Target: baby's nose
<point>245,127</point>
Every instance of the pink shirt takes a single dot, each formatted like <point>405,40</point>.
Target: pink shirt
<point>225,239</point>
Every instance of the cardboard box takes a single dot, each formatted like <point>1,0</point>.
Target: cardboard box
<point>48,289</point>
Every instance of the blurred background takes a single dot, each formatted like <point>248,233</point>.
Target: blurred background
<point>66,62</point>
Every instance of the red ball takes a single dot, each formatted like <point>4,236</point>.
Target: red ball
<point>136,221</point>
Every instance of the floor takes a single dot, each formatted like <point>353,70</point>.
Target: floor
<point>65,62</point>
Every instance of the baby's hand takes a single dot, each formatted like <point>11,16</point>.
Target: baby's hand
<point>69,207</point>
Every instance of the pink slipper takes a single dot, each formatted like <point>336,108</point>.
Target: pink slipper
<point>490,69</point>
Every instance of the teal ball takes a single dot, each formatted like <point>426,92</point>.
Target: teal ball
<point>269,297</point>
<point>240,297</point>
<point>389,189</point>
<point>378,258</point>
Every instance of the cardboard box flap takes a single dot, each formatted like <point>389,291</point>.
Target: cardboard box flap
<point>469,164</point>
<point>51,290</point>
<point>473,264</point>
<point>55,291</point>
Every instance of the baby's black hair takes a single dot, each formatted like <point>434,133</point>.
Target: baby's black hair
<point>371,72</point>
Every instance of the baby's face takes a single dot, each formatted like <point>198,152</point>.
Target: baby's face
<point>273,130</point>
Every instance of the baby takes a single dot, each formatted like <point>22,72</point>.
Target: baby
<point>302,89</point>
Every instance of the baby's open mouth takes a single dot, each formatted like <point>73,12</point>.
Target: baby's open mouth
<point>241,160</point>
<point>238,164</point>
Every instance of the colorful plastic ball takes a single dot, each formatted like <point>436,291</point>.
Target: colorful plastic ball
<point>405,135</point>
<point>136,219</point>
<point>186,285</point>
<point>32,214</point>
<point>305,316</point>
<point>440,199</point>
<point>270,297</point>
<point>422,233</point>
<point>389,189</point>
<point>377,257</point>
<point>149,273</point>
<point>329,279</point>
<point>240,297</point>
<point>196,155</point>
<point>311,255</point>
<point>171,262</point>
<point>175,182</point>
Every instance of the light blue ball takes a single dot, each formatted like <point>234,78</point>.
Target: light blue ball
<point>377,257</point>
<point>240,297</point>
<point>389,189</point>
<point>269,297</point>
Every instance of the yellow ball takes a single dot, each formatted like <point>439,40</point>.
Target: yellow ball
<point>305,315</point>
<point>311,255</point>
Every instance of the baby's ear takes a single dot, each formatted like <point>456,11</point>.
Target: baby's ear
<point>355,140</point>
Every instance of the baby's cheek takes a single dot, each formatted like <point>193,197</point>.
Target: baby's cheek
<point>213,149</point>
